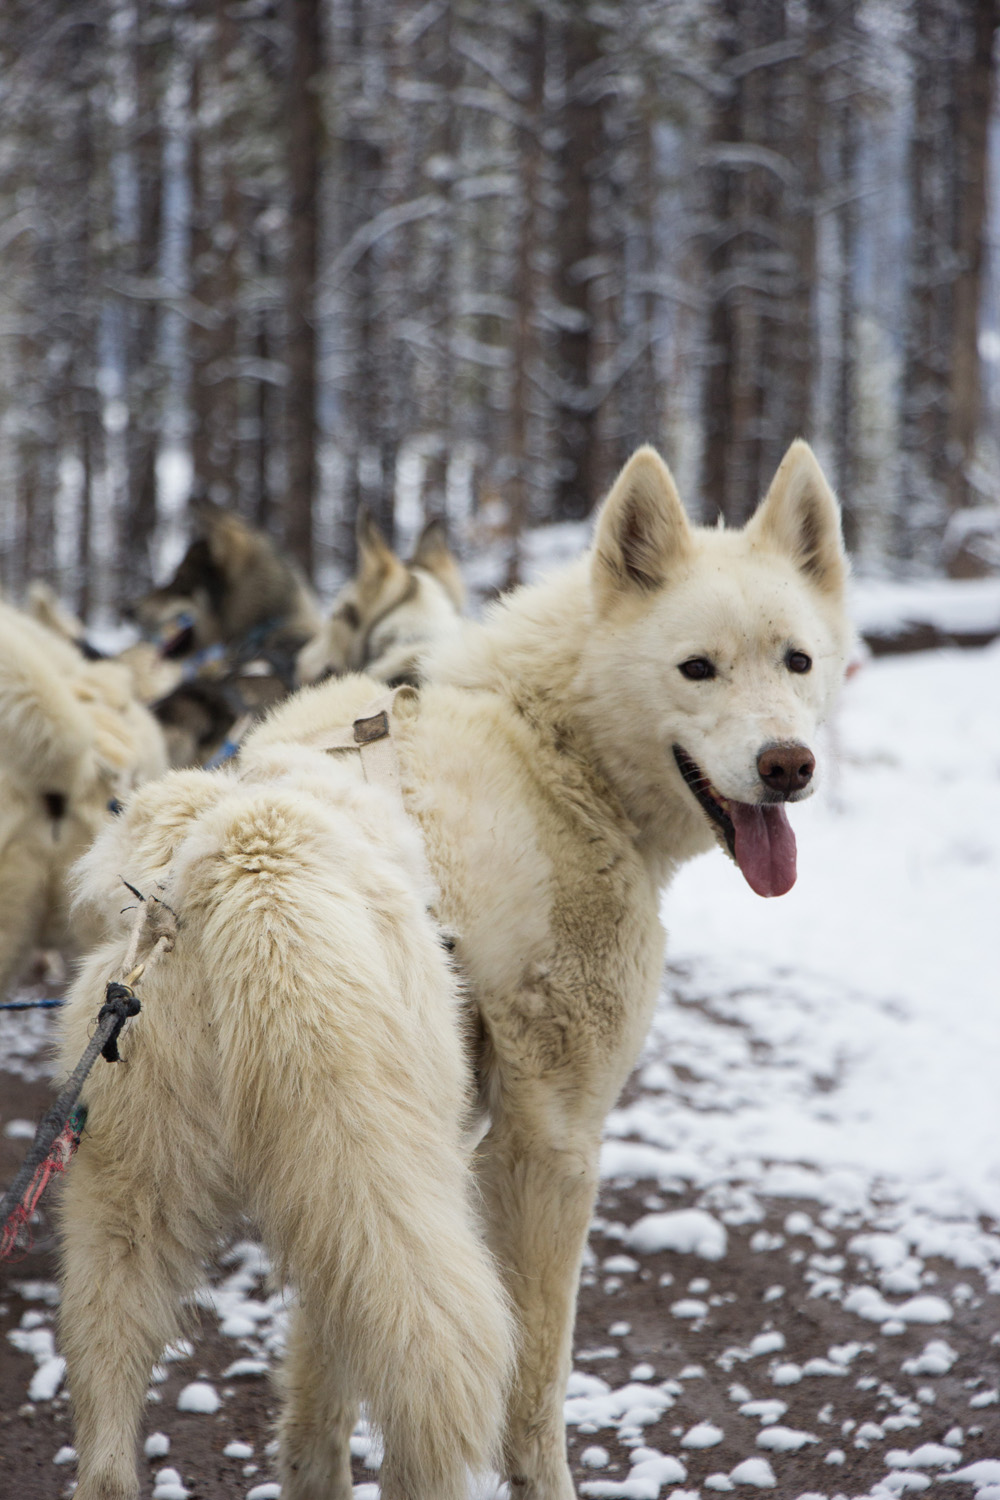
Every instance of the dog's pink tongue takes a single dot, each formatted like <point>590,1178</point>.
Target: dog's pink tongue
<point>765,847</point>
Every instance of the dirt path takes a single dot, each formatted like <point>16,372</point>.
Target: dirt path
<point>692,1377</point>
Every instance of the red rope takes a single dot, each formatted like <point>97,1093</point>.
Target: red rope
<point>57,1161</point>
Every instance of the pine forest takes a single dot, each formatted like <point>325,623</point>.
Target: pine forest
<point>453,259</point>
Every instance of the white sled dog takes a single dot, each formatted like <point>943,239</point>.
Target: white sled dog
<point>305,1055</point>
<point>74,740</point>
<point>386,619</point>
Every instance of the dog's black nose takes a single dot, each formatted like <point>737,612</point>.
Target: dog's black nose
<point>786,768</point>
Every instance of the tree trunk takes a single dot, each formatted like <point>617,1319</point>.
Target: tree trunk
<point>143,374</point>
<point>359,36</point>
<point>798,138</point>
<point>973,87</point>
<point>928,316</point>
<point>304,139</point>
<point>214,277</point>
<point>845,463</point>
<point>575,247</point>
<point>530,51</point>
<point>719,421</point>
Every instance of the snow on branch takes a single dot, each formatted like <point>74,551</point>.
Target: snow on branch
<point>481,57</point>
<point>155,289</point>
<point>763,57</point>
<point>745,154</point>
<point>367,235</point>
<point>412,28</point>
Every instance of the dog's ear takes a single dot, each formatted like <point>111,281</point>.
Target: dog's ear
<point>642,531</point>
<point>231,542</point>
<point>202,509</point>
<point>375,557</point>
<point>432,546</point>
<point>799,517</point>
<point>206,516</point>
<point>433,554</point>
<point>370,537</point>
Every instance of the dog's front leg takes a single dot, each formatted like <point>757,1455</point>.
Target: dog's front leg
<point>539,1185</point>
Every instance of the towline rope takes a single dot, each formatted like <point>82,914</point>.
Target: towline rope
<point>31,1004</point>
<point>61,1127</point>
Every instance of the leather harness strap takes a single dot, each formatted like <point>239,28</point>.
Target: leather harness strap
<point>371,735</point>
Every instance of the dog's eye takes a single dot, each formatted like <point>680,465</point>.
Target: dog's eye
<point>798,661</point>
<point>350,616</point>
<point>697,669</point>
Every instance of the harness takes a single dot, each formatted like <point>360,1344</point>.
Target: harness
<point>370,735</point>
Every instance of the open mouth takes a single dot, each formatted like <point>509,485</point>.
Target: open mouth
<point>715,805</point>
<point>758,836</point>
<point>180,642</point>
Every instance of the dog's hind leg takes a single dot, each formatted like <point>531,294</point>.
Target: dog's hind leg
<point>124,1275</point>
<point>144,1202</point>
<point>317,1420</point>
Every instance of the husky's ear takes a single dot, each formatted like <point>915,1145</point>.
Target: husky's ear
<point>375,557</point>
<point>800,517</point>
<point>432,546</point>
<point>204,513</point>
<point>230,540</point>
<point>433,554</point>
<point>209,518</point>
<point>642,532</point>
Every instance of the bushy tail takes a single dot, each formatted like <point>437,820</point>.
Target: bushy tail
<point>343,1088</point>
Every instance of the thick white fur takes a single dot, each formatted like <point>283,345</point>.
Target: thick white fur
<point>72,737</point>
<point>298,1058</point>
<point>299,1054</point>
